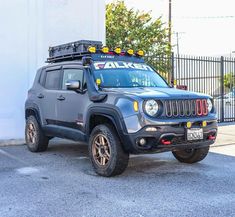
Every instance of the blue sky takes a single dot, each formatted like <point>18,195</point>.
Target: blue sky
<point>208,26</point>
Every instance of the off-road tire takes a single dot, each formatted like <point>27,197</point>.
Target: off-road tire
<point>40,143</point>
<point>118,159</point>
<point>193,156</point>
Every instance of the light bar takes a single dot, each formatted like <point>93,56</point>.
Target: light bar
<point>130,52</point>
<point>140,53</point>
<point>117,50</point>
<point>91,49</point>
<point>105,49</point>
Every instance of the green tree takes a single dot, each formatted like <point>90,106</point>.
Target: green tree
<point>229,80</point>
<point>129,28</point>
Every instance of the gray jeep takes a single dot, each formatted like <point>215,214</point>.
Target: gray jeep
<point>117,104</point>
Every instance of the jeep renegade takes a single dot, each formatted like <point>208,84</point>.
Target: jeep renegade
<point>118,105</point>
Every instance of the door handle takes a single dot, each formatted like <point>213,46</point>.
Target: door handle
<point>40,96</point>
<point>61,98</point>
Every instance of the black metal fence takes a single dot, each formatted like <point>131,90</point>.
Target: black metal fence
<point>210,75</point>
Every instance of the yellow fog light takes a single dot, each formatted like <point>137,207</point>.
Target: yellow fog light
<point>130,51</point>
<point>189,124</point>
<point>92,49</point>
<point>140,53</point>
<point>105,49</point>
<point>204,123</point>
<point>98,81</point>
<point>117,50</point>
<point>136,106</point>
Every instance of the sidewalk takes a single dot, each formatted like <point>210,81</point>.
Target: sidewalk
<point>225,142</point>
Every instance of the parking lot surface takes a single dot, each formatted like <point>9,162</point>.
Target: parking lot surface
<point>61,182</point>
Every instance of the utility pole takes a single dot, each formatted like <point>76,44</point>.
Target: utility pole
<point>178,49</point>
<point>169,24</point>
<point>177,41</point>
<point>170,46</point>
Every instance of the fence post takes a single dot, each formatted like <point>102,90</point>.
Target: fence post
<point>222,87</point>
<point>172,69</point>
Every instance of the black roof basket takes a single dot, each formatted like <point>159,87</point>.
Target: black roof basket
<point>71,51</point>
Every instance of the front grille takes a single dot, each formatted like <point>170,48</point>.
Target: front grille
<point>185,108</point>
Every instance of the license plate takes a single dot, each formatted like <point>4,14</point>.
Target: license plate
<point>194,134</point>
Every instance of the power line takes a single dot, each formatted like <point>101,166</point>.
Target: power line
<point>206,17</point>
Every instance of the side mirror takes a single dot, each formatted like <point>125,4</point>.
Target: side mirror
<point>73,85</point>
<point>86,61</point>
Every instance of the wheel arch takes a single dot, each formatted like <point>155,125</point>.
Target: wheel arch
<point>96,115</point>
<point>34,112</point>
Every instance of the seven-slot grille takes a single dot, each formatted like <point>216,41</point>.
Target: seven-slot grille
<point>185,107</point>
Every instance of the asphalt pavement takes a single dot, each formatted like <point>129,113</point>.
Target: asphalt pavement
<point>61,182</point>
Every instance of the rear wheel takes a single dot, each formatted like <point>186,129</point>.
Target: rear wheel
<point>191,155</point>
<point>35,139</point>
<point>106,153</point>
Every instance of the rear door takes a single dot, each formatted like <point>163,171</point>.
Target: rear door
<point>71,107</point>
<point>48,94</point>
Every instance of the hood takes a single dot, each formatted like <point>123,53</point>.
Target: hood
<point>157,92</point>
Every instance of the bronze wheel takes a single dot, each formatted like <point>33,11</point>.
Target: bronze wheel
<point>106,151</point>
<point>101,150</point>
<point>31,133</point>
<point>35,138</point>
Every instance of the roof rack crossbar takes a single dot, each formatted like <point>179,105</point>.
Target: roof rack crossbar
<point>71,51</point>
<point>67,57</point>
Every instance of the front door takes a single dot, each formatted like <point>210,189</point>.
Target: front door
<point>71,106</point>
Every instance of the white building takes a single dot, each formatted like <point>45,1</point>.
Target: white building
<point>27,29</point>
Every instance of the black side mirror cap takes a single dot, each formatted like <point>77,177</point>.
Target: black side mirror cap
<point>86,61</point>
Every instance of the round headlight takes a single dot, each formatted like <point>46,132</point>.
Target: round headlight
<point>209,105</point>
<point>151,107</point>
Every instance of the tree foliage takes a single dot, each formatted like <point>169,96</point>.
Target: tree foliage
<point>229,80</point>
<point>129,28</point>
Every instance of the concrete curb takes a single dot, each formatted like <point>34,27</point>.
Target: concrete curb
<point>12,142</point>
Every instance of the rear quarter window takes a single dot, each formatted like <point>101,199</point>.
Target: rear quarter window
<point>42,77</point>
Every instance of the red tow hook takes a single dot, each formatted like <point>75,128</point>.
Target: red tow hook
<point>211,137</point>
<point>165,142</point>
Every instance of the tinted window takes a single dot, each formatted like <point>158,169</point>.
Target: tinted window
<point>42,77</point>
<point>53,80</point>
<point>71,74</point>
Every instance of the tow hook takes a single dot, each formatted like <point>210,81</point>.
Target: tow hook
<point>165,142</point>
<point>211,137</point>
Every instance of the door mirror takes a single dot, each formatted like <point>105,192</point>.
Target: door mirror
<point>86,61</point>
<point>73,85</point>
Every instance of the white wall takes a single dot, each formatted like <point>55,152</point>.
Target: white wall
<point>27,29</point>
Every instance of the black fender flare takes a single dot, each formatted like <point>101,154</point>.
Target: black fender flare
<point>114,116</point>
<point>33,107</point>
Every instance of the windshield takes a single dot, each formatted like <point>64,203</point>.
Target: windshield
<point>127,74</point>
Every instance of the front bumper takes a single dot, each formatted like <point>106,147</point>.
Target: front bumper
<point>174,134</point>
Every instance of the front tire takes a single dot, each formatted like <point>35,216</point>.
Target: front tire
<point>106,152</point>
<point>191,155</point>
<point>35,139</point>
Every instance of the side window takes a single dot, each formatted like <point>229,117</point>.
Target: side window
<point>72,74</point>
<point>52,80</point>
<point>42,78</point>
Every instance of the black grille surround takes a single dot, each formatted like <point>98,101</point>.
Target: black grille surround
<point>181,108</point>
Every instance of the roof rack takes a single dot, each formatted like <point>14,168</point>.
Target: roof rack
<point>71,51</point>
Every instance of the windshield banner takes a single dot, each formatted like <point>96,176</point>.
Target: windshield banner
<point>121,65</point>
